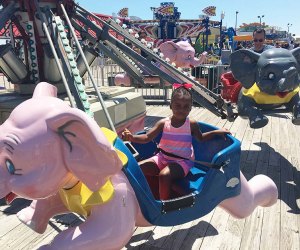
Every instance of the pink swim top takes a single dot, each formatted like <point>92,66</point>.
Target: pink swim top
<point>177,141</point>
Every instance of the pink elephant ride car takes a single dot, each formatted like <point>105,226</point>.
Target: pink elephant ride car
<point>199,192</point>
<point>58,157</point>
<point>181,54</point>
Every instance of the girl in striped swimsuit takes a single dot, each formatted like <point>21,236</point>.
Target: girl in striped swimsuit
<point>177,132</point>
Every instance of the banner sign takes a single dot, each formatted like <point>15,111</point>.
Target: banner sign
<point>210,10</point>
<point>123,12</point>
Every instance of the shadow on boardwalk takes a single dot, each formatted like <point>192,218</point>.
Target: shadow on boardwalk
<point>283,172</point>
<point>198,231</point>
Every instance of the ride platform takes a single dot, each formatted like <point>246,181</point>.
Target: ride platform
<point>126,107</point>
<point>272,151</point>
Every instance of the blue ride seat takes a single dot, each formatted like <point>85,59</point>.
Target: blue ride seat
<point>192,182</point>
<point>200,191</point>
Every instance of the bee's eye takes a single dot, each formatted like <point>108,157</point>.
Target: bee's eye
<point>271,76</point>
<point>10,167</point>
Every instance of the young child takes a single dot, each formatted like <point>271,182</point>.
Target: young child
<point>177,132</point>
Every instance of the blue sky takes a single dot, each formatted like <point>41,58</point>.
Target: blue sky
<point>276,13</point>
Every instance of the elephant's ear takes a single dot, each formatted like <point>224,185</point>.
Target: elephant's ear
<point>87,152</point>
<point>44,89</point>
<point>243,65</point>
<point>169,49</point>
<point>296,54</point>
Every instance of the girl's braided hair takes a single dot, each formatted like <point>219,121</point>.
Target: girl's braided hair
<point>181,91</point>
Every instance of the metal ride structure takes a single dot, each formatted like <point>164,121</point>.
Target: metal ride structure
<point>43,47</point>
<point>167,25</point>
<point>51,51</point>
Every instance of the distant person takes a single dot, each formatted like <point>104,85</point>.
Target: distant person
<point>210,49</point>
<point>142,35</point>
<point>285,46</point>
<point>291,45</point>
<point>259,38</point>
<point>239,46</point>
<point>216,49</point>
<point>129,44</point>
<point>277,45</point>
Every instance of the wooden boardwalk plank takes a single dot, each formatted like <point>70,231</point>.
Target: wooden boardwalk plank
<point>271,225</point>
<point>140,237</point>
<point>289,165</point>
<point>251,238</point>
<point>200,229</point>
<point>177,236</point>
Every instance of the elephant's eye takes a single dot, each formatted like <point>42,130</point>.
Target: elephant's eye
<point>271,76</point>
<point>10,167</point>
<point>189,57</point>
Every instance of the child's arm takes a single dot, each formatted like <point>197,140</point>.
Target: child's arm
<point>144,138</point>
<point>196,132</point>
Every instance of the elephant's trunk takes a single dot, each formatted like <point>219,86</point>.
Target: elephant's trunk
<point>287,83</point>
<point>197,61</point>
<point>290,73</point>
